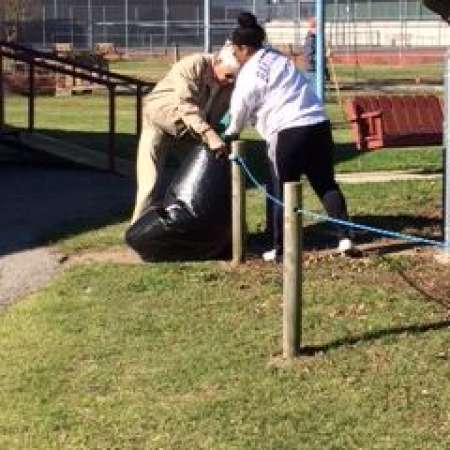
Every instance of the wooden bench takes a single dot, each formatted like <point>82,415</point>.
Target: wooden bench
<point>395,121</point>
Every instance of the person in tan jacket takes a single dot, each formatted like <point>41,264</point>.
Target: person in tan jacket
<point>183,108</point>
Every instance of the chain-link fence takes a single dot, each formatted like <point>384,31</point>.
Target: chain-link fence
<point>156,25</point>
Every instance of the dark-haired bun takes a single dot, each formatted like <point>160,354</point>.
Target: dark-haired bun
<point>249,32</point>
<point>247,20</point>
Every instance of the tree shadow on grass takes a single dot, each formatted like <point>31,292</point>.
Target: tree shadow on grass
<point>42,202</point>
<point>411,225</point>
<point>126,147</point>
<point>45,198</point>
<point>47,205</point>
<point>373,336</point>
<point>125,144</point>
<point>442,299</point>
<point>323,236</point>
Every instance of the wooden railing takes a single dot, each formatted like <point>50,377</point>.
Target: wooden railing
<point>67,66</point>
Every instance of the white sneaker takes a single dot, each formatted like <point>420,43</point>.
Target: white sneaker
<point>270,256</point>
<point>345,245</point>
<point>347,248</point>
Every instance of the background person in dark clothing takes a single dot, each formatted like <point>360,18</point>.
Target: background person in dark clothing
<point>309,55</point>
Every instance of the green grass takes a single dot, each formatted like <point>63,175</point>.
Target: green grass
<point>151,69</point>
<point>349,159</point>
<point>409,206</point>
<point>73,114</point>
<point>81,120</point>
<point>84,120</point>
<point>364,72</point>
<point>177,356</point>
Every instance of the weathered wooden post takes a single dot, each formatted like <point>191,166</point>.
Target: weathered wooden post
<point>238,205</point>
<point>292,271</point>
<point>112,128</point>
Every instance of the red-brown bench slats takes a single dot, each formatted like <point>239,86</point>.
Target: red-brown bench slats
<point>395,120</point>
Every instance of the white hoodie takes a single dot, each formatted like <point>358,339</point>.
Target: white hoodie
<point>272,93</point>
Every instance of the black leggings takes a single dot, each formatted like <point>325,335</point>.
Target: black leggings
<point>305,150</point>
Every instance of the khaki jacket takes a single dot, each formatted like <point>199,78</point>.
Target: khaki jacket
<point>181,102</point>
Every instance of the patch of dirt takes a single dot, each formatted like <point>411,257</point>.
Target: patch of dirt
<point>117,255</point>
<point>421,269</point>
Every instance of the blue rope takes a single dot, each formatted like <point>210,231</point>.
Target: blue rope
<point>239,161</point>
<point>406,237</point>
<point>392,234</point>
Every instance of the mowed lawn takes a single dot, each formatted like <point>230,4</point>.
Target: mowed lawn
<point>84,120</point>
<point>186,355</point>
<point>179,356</point>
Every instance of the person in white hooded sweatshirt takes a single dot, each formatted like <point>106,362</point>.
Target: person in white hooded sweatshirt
<point>271,93</point>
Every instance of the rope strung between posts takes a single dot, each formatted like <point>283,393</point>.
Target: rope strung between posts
<point>391,234</point>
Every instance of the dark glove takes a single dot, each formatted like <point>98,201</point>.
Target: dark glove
<point>229,138</point>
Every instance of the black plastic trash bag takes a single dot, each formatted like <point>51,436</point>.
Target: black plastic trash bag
<point>194,222</point>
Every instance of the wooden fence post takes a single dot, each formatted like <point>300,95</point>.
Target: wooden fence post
<point>112,128</point>
<point>292,271</point>
<point>238,205</point>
